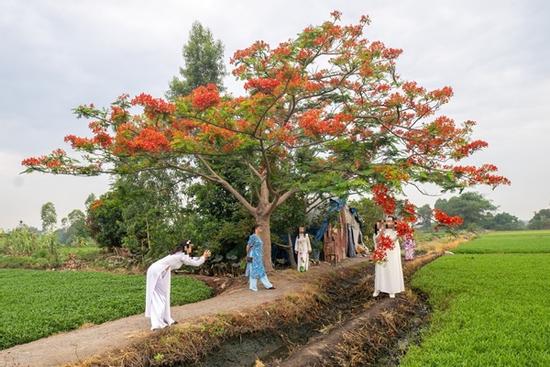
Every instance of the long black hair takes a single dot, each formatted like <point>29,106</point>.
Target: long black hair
<point>181,247</point>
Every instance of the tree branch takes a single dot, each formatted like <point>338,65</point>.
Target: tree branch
<point>281,199</point>
<point>228,186</point>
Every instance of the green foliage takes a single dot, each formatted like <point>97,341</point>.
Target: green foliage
<point>424,214</point>
<point>470,206</point>
<point>541,220</point>
<point>290,215</point>
<point>24,242</point>
<point>26,262</point>
<point>503,222</point>
<point>74,231</point>
<point>24,247</point>
<point>489,309</point>
<point>104,220</point>
<point>426,236</point>
<point>477,213</point>
<point>36,304</point>
<point>222,224</point>
<point>48,216</point>
<point>146,213</point>
<point>203,63</point>
<point>369,213</point>
<point>141,212</point>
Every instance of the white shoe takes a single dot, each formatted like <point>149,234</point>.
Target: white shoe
<point>392,295</point>
<point>376,293</point>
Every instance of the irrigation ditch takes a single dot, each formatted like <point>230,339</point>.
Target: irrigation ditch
<point>332,321</point>
<point>348,327</point>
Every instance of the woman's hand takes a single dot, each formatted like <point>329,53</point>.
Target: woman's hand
<point>206,254</point>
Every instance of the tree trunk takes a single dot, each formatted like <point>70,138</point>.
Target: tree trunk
<point>291,252</point>
<point>264,221</point>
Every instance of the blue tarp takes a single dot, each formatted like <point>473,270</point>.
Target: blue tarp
<point>335,205</point>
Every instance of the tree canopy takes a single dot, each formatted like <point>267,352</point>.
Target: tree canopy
<point>204,64</point>
<point>325,111</point>
<point>48,216</point>
<point>540,220</point>
<point>472,207</point>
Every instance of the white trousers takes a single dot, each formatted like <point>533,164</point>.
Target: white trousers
<point>253,283</point>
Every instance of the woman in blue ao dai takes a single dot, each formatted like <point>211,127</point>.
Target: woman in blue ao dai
<point>255,268</point>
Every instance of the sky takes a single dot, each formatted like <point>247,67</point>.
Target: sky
<point>58,54</point>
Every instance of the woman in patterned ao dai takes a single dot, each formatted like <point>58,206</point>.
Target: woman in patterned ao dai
<point>302,247</point>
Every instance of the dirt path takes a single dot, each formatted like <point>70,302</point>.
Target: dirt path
<point>73,346</point>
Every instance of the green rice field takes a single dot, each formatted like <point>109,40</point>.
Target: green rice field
<point>491,303</point>
<point>37,303</point>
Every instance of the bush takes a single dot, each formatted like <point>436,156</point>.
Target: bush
<point>26,248</point>
<point>25,242</point>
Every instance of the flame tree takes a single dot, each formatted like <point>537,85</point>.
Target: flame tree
<point>325,111</point>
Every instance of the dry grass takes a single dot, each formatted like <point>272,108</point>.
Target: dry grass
<point>377,336</point>
<point>446,244</point>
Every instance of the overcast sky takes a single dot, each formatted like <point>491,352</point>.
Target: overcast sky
<point>58,54</point>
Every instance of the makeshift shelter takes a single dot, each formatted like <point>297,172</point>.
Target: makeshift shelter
<point>342,236</point>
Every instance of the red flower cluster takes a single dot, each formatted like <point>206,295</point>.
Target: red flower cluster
<point>312,123</point>
<point>411,88</point>
<point>383,244</point>
<point>117,113</point>
<point>54,160</point>
<point>78,142</point>
<point>32,161</point>
<point>53,163</point>
<point>383,199</point>
<point>409,212</point>
<point>447,220</point>
<point>149,140</point>
<point>467,149</point>
<point>101,138</point>
<point>152,105</point>
<point>205,96</point>
<point>478,175</point>
<point>391,53</point>
<point>443,94</point>
<point>265,85</point>
<point>403,228</point>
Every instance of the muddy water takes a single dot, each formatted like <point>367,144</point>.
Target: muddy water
<point>263,346</point>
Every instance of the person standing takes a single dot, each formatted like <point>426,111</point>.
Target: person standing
<point>388,276</point>
<point>302,247</point>
<point>409,244</point>
<point>157,290</point>
<point>254,261</point>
